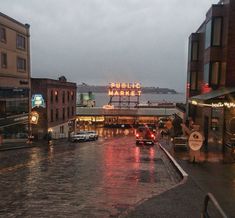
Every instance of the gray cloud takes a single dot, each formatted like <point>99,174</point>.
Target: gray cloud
<point>98,41</point>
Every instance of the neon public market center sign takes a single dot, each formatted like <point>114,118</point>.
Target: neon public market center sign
<point>124,89</point>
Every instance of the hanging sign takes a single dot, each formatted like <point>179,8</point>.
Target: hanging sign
<point>38,101</point>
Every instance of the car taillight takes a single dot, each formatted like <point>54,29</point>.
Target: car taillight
<point>152,136</point>
<point>137,135</point>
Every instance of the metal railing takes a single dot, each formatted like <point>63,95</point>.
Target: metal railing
<point>210,197</point>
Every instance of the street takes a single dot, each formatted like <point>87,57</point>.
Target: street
<point>91,179</point>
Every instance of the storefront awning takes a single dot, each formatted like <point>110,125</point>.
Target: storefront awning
<point>220,95</point>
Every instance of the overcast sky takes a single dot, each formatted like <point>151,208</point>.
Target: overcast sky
<point>99,41</point>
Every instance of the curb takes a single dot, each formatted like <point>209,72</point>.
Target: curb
<point>17,147</point>
<point>183,174</point>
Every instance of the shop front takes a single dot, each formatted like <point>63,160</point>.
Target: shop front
<point>214,113</point>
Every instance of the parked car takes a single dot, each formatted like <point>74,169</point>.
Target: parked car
<point>145,135</point>
<point>80,136</point>
<point>92,135</point>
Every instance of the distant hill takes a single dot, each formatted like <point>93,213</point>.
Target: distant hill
<point>84,88</point>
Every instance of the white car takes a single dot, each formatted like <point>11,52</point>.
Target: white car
<point>81,136</point>
<point>92,135</point>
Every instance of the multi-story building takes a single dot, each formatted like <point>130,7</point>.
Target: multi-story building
<point>60,107</point>
<point>14,78</point>
<point>211,74</point>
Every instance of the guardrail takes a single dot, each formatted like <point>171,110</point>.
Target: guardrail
<point>210,197</point>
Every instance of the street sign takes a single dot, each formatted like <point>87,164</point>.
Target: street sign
<point>195,140</point>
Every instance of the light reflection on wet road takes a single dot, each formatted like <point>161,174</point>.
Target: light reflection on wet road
<point>92,179</point>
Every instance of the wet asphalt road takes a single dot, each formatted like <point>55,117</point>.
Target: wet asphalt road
<point>92,179</point>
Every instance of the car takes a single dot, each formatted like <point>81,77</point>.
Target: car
<point>145,135</point>
<point>80,136</point>
<point>92,135</point>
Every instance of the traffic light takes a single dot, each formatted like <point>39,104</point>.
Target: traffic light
<point>34,117</point>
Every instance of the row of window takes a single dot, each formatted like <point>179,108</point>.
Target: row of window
<point>20,62</point>
<point>213,33</point>
<point>55,95</point>
<point>20,39</point>
<point>55,113</point>
<point>213,37</point>
<point>214,76</point>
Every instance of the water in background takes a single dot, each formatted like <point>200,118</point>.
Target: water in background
<point>103,98</point>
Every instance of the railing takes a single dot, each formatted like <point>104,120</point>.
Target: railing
<point>210,197</point>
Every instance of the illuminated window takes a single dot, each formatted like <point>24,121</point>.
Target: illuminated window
<point>56,96</point>
<point>72,96</point>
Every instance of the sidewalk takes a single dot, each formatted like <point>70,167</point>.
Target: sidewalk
<point>20,145</point>
<point>186,200</point>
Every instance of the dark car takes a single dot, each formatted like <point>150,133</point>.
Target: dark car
<point>145,135</point>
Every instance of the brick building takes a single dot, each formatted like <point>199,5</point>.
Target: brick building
<point>14,79</point>
<point>60,100</point>
<point>211,75</point>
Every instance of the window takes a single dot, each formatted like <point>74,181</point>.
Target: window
<point>63,113</point>
<point>61,129</point>
<point>213,34</point>
<point>194,51</point>
<point>72,95</point>
<point>193,80</point>
<point>72,111</point>
<point>20,41</point>
<point>4,60</point>
<point>223,74</point>
<point>3,37</point>
<point>63,97</point>
<point>212,74</point>
<point>56,96</point>
<point>215,73</point>
<point>52,98</point>
<point>208,35</point>
<point>206,73</point>
<point>68,112</point>
<point>21,64</point>
<point>57,114</point>
<point>68,98</point>
<point>217,31</point>
<point>52,115</point>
